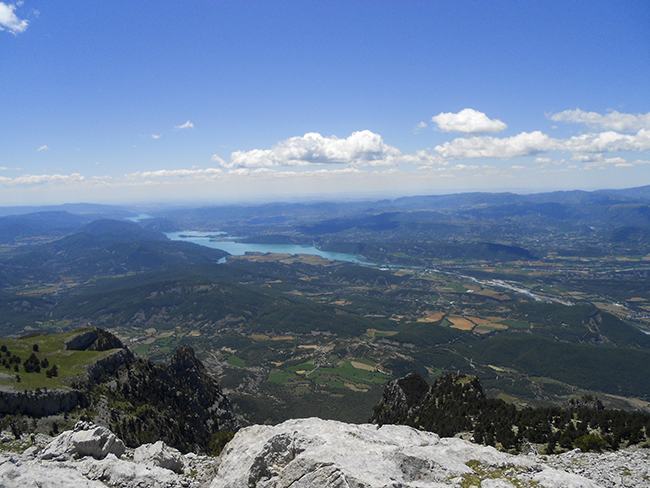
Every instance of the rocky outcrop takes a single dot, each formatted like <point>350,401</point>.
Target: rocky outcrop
<point>41,403</point>
<point>400,398</point>
<point>180,404</point>
<point>319,453</point>
<point>93,339</point>
<point>93,457</point>
<point>107,366</point>
<point>85,440</point>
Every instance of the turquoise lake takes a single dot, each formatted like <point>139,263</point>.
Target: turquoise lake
<point>229,245</point>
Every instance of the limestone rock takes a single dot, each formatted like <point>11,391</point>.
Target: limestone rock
<point>87,473</point>
<point>86,439</point>
<point>159,454</point>
<point>318,453</point>
<point>15,474</point>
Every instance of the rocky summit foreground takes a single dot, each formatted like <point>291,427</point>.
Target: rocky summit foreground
<point>313,453</point>
<point>320,453</point>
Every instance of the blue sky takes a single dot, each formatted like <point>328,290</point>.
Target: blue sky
<point>212,101</point>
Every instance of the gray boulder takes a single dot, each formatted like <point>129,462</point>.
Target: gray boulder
<point>161,455</point>
<point>86,439</point>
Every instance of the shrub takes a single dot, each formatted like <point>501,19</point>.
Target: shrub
<point>590,442</point>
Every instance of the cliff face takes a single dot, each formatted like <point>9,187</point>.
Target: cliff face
<point>43,403</point>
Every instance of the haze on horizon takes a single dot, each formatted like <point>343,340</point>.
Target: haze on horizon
<point>242,101</point>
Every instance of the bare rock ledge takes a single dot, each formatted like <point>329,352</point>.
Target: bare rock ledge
<point>319,453</point>
<point>312,453</point>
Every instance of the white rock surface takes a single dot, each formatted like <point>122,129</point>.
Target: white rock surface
<point>161,455</point>
<point>86,439</point>
<point>317,453</point>
<point>15,472</point>
<point>626,467</point>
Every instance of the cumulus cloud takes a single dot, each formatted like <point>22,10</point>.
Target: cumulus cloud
<point>609,141</point>
<point>524,144</point>
<point>543,160</point>
<point>613,120</point>
<point>468,121</point>
<point>186,125</point>
<point>420,127</point>
<point>9,20</point>
<point>157,136</point>
<point>42,148</point>
<point>363,148</point>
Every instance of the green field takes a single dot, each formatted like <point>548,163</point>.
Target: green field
<point>51,348</point>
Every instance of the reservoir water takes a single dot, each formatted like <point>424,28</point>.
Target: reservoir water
<point>142,216</point>
<point>219,240</point>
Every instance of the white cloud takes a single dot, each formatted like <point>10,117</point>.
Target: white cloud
<point>218,160</point>
<point>468,121</point>
<point>186,125</point>
<point>461,167</point>
<point>420,127</point>
<point>41,179</point>
<point>317,173</point>
<point>175,173</point>
<point>600,161</point>
<point>423,158</point>
<point>543,160</point>
<point>43,148</point>
<point>524,144</point>
<point>9,21</point>
<point>363,148</point>
<point>610,121</point>
<point>157,136</point>
<point>609,141</point>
